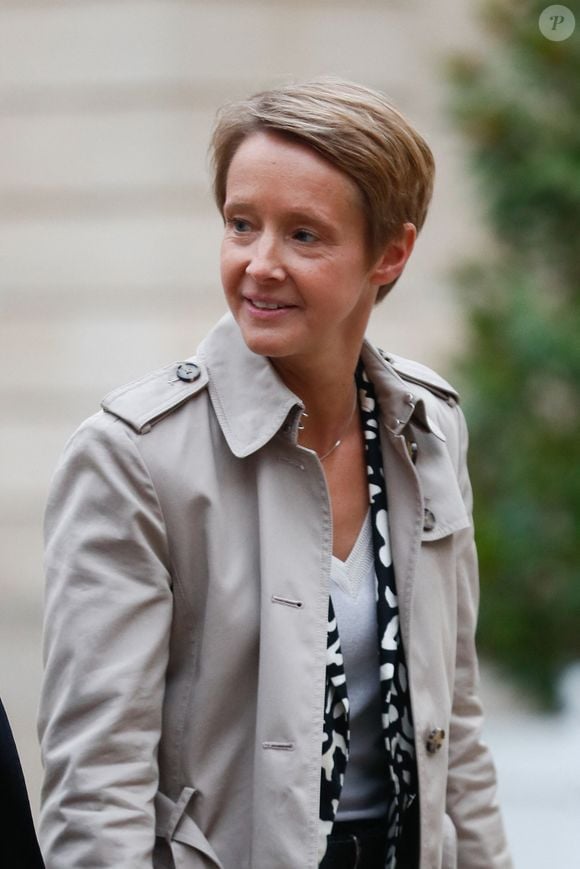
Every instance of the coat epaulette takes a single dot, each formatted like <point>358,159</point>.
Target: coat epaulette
<point>144,402</point>
<point>415,372</point>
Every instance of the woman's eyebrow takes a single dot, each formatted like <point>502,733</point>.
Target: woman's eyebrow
<point>296,215</point>
<point>308,216</point>
<point>236,205</point>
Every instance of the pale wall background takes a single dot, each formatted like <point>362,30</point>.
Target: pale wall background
<point>109,239</point>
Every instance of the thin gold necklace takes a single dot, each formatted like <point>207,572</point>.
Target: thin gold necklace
<point>337,443</point>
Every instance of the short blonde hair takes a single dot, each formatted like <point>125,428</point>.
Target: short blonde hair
<point>357,130</point>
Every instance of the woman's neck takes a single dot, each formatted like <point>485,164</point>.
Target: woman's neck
<point>329,397</point>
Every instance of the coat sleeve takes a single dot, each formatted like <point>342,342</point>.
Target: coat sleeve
<point>107,625</point>
<point>471,788</point>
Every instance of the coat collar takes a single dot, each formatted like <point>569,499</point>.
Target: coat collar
<point>252,403</point>
<point>250,399</point>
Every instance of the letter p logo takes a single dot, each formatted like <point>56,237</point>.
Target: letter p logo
<point>557,23</point>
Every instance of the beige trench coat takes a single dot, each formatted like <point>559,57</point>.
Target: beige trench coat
<point>188,549</point>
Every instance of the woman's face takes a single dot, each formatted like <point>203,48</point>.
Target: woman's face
<point>294,259</point>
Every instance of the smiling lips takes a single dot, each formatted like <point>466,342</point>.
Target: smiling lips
<point>260,305</point>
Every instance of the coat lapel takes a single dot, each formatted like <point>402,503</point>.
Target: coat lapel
<point>250,400</point>
<point>424,499</point>
<point>405,508</point>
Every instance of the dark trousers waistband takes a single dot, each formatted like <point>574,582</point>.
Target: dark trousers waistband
<point>356,845</point>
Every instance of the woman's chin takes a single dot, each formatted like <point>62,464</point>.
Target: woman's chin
<point>267,342</point>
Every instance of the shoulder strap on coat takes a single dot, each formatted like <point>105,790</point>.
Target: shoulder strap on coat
<point>415,372</point>
<point>144,402</point>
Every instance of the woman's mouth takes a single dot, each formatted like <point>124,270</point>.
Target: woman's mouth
<point>263,308</point>
<point>267,306</point>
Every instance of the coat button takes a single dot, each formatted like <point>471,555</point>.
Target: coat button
<point>428,520</point>
<point>435,740</point>
<point>188,371</point>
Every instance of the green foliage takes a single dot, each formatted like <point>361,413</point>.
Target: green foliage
<point>519,107</point>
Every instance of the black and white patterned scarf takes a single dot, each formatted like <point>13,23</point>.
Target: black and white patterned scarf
<point>397,723</point>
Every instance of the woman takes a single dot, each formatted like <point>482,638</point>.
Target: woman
<point>218,537</point>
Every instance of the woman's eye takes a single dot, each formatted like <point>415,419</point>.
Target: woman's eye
<point>237,224</point>
<point>304,235</point>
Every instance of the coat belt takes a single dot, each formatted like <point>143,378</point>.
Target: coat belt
<point>173,824</point>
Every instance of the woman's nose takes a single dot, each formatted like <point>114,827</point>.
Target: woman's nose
<point>265,263</point>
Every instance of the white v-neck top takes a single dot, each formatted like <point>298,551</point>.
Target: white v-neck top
<point>353,592</point>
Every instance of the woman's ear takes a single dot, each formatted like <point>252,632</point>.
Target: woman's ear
<point>393,258</point>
